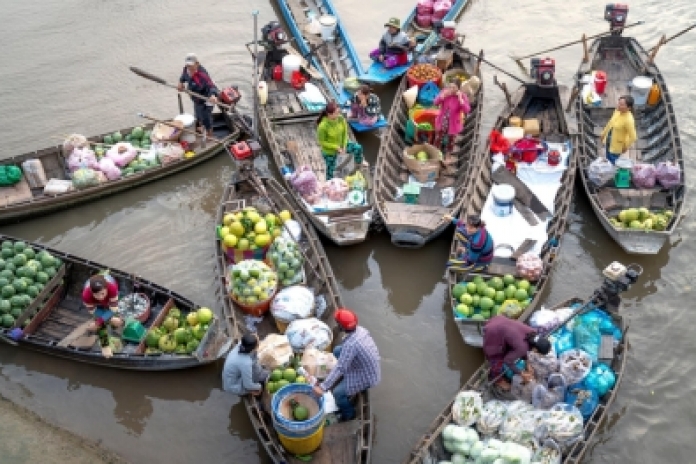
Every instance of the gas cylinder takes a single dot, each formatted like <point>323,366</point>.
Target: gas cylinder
<point>654,95</point>
<point>263,92</point>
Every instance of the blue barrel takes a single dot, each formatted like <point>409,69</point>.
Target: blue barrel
<point>289,425</point>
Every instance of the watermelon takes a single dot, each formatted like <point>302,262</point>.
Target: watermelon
<point>7,321</point>
<point>34,264</point>
<point>7,244</point>
<point>16,311</point>
<point>6,274</point>
<point>7,291</point>
<point>57,262</point>
<point>29,253</point>
<point>29,273</point>
<point>10,267</point>
<point>108,140</point>
<point>117,137</point>
<point>19,272</point>
<point>4,281</point>
<point>42,277</point>
<point>17,301</point>
<point>51,271</point>
<point>137,133</point>
<point>7,253</point>
<point>135,143</point>
<point>127,138</point>
<point>2,264</point>
<point>5,306</point>
<point>46,260</point>
<point>19,246</point>
<point>32,291</point>
<point>147,135</point>
<point>19,285</point>
<point>26,299</point>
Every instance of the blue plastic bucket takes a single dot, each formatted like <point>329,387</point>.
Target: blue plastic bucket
<point>503,196</point>
<point>291,426</point>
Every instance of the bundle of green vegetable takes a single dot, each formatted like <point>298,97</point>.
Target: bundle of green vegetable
<point>466,447</point>
<point>287,260</point>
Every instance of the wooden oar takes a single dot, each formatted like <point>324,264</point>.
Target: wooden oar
<point>684,31</point>
<point>159,80</point>
<point>574,42</point>
<point>480,58</point>
<point>188,131</point>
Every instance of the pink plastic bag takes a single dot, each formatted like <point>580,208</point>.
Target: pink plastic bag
<point>440,9</point>
<point>425,7</point>
<point>109,168</point>
<point>668,174</point>
<point>529,266</point>
<point>82,158</point>
<point>122,153</point>
<point>304,180</point>
<point>643,175</point>
<point>336,189</point>
<point>424,20</point>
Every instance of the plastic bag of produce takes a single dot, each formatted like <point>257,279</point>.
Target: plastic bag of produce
<point>522,390</point>
<point>601,171</point>
<point>304,180</point>
<point>587,336</point>
<point>545,396</point>
<point>292,230</point>
<point>643,175</point>
<point>84,178</point>
<point>169,152</point>
<point>440,9</point>
<point>668,174</point>
<point>549,453</point>
<point>109,168</point>
<point>74,141</point>
<point>542,365</point>
<point>318,363</point>
<point>82,158</point>
<point>601,379</point>
<point>467,407</point>
<point>9,175</point>
<point>275,351</point>
<point>149,156</point>
<point>34,173</point>
<point>287,260</point>
<point>424,20</point>
<point>305,332</point>
<point>425,6</point>
<point>524,428</point>
<point>510,453</point>
<point>564,425</point>
<point>544,319</point>
<point>251,282</point>
<point>296,302</point>
<point>574,364</point>
<point>492,416</point>
<point>562,341</point>
<point>511,309</point>
<point>121,154</point>
<point>336,189</point>
<point>529,266</point>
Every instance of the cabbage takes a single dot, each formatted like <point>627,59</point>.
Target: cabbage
<point>462,448</point>
<point>459,434</point>
<point>471,436</point>
<point>449,446</point>
<point>489,455</point>
<point>476,449</point>
<point>458,459</point>
<point>494,443</point>
<point>447,432</point>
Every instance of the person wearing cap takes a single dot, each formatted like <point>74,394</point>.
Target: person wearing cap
<point>242,374</point>
<point>358,366</point>
<point>507,340</point>
<point>393,46</point>
<point>199,81</point>
<point>475,244</point>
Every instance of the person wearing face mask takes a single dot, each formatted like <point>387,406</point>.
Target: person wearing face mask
<point>100,297</point>
<point>242,373</point>
<point>358,367</point>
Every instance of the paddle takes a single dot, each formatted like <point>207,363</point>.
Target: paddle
<point>483,60</point>
<point>518,59</point>
<point>678,34</point>
<point>188,131</point>
<point>245,127</point>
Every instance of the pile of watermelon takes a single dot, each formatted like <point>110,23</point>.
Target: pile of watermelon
<point>482,299</point>
<point>23,274</point>
<point>138,137</point>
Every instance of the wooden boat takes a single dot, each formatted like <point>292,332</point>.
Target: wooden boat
<point>336,59</point>
<point>425,38</point>
<point>55,321</point>
<point>430,448</point>
<point>344,442</point>
<point>623,59</point>
<point>21,201</point>
<point>290,129</point>
<point>413,225</point>
<point>546,105</point>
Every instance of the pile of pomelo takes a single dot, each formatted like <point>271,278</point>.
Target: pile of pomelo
<point>642,219</point>
<point>282,377</point>
<point>481,299</point>
<point>249,230</point>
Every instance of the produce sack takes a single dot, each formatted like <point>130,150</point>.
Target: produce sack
<point>512,453</point>
<point>109,168</point>
<point>440,9</point>
<point>423,171</point>
<point>523,427</point>
<point>74,141</point>
<point>9,175</point>
<point>410,96</point>
<point>549,453</point>
<point>58,186</point>
<point>600,379</point>
<point>458,439</point>
<point>564,425</point>
<point>562,340</point>
<point>251,282</point>
<point>296,302</point>
<point>529,266</point>
<point>544,320</point>
<point>601,171</point>
<point>425,6</point>
<point>467,407</point>
<point>304,180</point>
<point>586,335</point>
<point>471,87</point>
<point>428,93</point>
<point>287,261</point>
<point>522,390</point>
<point>424,20</point>
<point>318,363</point>
<point>34,173</point>
<point>492,415</point>
<point>292,230</point>
<point>275,351</point>
<point>336,189</point>
<point>305,332</point>
<point>542,365</point>
<point>169,153</point>
<point>82,158</point>
<point>545,396</point>
<point>574,365</point>
<point>668,174</point>
<point>84,178</point>
<point>121,153</point>
<point>643,175</point>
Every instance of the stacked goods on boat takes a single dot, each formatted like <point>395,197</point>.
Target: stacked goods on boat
<point>480,299</point>
<point>248,233</point>
<point>546,418</point>
<point>347,188</point>
<point>24,274</point>
<point>642,219</point>
<point>176,331</point>
<point>429,11</point>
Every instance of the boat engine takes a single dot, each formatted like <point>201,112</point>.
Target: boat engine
<point>616,14</point>
<point>544,71</point>
<point>272,38</point>
<point>618,279</point>
<point>230,95</point>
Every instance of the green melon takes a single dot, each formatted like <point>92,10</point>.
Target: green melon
<point>7,291</point>
<point>29,273</point>
<point>108,140</point>
<point>2,264</point>
<point>486,304</point>
<point>5,306</point>
<point>39,286</point>
<point>29,253</point>
<point>7,274</point>
<point>46,260</point>
<point>32,291</point>
<point>7,253</point>
<point>7,244</point>
<point>34,264</point>
<point>19,272</point>
<point>17,301</point>
<point>19,285</point>
<point>50,271</point>
<point>521,295</point>
<point>26,299</point>
<point>7,321</point>
<point>27,280</point>
<point>9,266</point>
<point>4,281</point>
<point>19,246</point>
<point>117,137</point>
<point>42,277</point>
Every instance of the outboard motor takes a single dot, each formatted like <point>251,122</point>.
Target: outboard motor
<point>616,14</point>
<point>543,71</point>
<point>272,38</point>
<point>618,279</point>
<point>230,95</point>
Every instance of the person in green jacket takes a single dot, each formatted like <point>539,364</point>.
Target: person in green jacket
<point>332,134</point>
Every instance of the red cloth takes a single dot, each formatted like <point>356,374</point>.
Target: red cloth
<point>505,339</point>
<point>111,293</point>
<point>499,144</point>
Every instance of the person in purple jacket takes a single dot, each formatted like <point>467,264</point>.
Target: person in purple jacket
<point>474,243</point>
<point>507,340</point>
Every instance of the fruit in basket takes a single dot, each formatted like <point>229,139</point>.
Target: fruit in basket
<point>199,331</point>
<point>289,374</point>
<point>248,230</point>
<point>466,299</point>
<point>192,346</point>
<point>192,319</point>
<point>152,338</point>
<point>167,343</point>
<point>424,72</point>
<point>287,259</point>
<point>182,336</point>
<point>422,156</point>
<point>458,290</point>
<point>170,323</point>
<point>205,315</point>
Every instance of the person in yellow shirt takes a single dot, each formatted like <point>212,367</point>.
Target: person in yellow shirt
<point>620,132</point>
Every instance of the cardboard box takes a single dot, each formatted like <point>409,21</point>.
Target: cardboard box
<point>423,171</point>
<point>531,127</point>
<point>444,59</point>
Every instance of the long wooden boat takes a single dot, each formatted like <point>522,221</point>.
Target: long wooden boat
<point>430,447</point>
<point>21,201</point>
<point>413,225</point>
<point>54,323</point>
<point>623,59</point>
<point>425,39</point>
<point>290,129</point>
<point>336,59</point>
<point>344,442</point>
<point>546,105</point>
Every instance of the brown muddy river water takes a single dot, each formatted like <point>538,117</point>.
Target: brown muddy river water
<point>65,69</point>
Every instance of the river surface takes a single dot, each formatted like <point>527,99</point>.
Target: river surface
<point>65,69</point>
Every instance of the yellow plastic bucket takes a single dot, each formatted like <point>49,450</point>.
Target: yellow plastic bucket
<point>302,446</point>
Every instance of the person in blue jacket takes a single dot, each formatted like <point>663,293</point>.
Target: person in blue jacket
<point>476,243</point>
<point>199,81</point>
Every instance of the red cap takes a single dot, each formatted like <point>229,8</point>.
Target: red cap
<point>346,318</point>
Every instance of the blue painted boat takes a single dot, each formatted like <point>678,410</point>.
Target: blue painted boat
<point>336,58</point>
<point>426,38</point>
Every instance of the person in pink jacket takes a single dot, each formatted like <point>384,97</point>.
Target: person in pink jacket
<point>454,105</point>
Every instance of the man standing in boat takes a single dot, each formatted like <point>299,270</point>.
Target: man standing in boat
<point>199,81</point>
<point>394,46</point>
<point>358,366</point>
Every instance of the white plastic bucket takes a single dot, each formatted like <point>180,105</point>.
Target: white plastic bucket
<point>640,89</point>
<point>328,26</point>
<point>291,63</point>
<point>513,134</point>
<point>188,121</point>
<point>503,195</point>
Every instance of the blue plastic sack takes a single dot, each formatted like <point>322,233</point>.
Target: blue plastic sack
<point>521,365</point>
<point>582,397</point>
<point>601,379</point>
<point>586,334</point>
<point>427,94</point>
<point>563,340</point>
